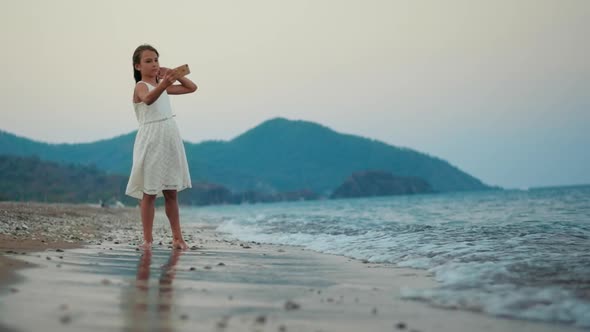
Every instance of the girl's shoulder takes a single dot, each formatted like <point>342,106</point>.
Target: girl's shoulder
<point>149,85</point>
<point>142,84</point>
<point>141,88</point>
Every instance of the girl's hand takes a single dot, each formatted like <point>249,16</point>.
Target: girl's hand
<point>169,77</point>
<point>162,72</point>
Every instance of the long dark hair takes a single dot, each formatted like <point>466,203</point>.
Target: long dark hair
<point>137,59</point>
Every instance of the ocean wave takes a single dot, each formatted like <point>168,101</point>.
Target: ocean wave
<point>520,256</point>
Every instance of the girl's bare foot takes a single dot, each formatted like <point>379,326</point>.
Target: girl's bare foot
<point>146,246</point>
<point>179,244</point>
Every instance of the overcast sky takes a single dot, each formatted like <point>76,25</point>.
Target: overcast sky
<point>500,89</point>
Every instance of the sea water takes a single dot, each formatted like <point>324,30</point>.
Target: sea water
<point>518,254</point>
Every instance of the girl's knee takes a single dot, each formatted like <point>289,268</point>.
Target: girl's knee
<point>148,198</point>
<point>169,194</point>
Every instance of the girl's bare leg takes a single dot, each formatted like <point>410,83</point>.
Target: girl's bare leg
<point>171,202</point>
<point>147,219</point>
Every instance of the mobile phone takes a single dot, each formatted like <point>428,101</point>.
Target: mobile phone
<point>182,70</point>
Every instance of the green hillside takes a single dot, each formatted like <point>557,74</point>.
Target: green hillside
<point>277,155</point>
<point>32,179</point>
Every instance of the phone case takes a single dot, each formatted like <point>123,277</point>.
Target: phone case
<point>182,70</point>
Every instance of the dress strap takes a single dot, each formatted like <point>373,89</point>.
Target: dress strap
<point>149,86</point>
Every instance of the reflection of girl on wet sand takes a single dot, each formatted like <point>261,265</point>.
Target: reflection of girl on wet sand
<point>158,317</point>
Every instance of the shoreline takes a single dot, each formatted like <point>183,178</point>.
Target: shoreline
<point>31,227</point>
<point>259,286</point>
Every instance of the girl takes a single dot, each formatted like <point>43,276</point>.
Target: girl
<point>159,161</point>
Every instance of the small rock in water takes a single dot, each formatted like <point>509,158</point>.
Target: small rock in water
<point>106,282</point>
<point>282,328</point>
<point>281,250</point>
<point>184,316</point>
<point>65,319</point>
<point>261,319</point>
<point>116,242</point>
<point>48,258</point>
<point>290,305</point>
<point>374,311</point>
<point>401,326</point>
<point>207,267</point>
<point>14,290</point>
<point>221,264</point>
<point>192,268</point>
<point>59,250</point>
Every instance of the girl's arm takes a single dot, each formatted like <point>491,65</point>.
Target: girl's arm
<point>185,86</point>
<point>149,97</point>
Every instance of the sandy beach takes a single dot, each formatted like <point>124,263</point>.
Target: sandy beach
<point>73,268</point>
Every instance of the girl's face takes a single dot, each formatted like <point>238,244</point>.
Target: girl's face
<point>148,65</point>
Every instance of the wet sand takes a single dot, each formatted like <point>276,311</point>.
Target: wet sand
<point>102,283</point>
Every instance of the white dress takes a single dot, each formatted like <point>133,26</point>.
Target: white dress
<point>159,159</point>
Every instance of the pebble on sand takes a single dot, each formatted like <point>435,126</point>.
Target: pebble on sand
<point>290,305</point>
<point>261,319</point>
<point>65,319</point>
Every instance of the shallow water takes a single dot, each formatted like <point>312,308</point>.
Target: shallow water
<point>519,254</point>
<point>97,289</point>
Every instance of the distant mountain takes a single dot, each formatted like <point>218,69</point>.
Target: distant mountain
<point>32,179</point>
<point>112,155</point>
<point>278,155</point>
<point>380,183</point>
